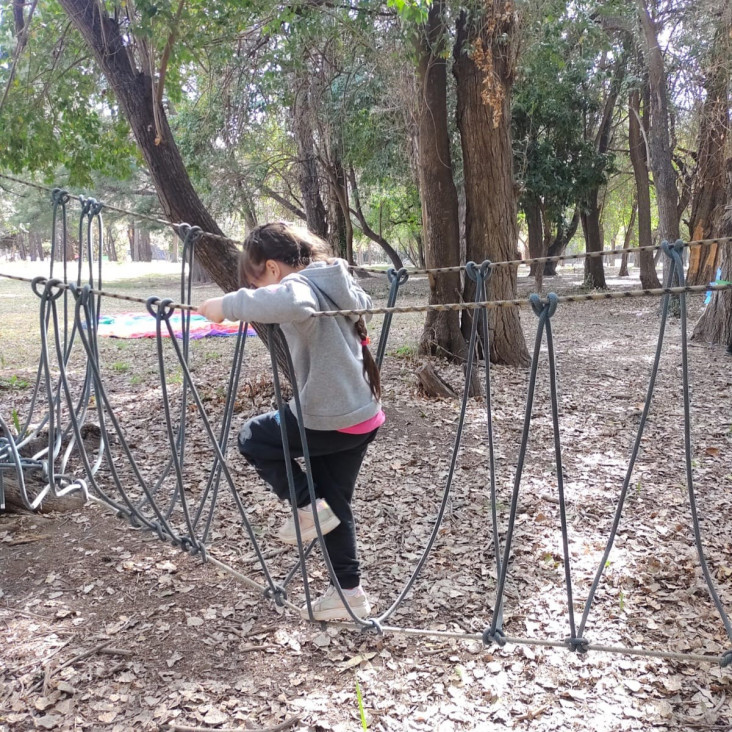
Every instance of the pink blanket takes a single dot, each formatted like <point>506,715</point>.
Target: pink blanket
<point>142,325</point>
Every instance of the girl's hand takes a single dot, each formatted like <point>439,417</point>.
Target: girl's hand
<point>212,309</point>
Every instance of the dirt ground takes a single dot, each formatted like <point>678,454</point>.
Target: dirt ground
<point>105,627</point>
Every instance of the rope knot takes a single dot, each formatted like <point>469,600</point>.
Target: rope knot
<point>35,284</point>
<point>400,276</point>
<point>159,308</point>
<point>536,304</point>
<point>60,197</point>
<point>577,645</point>
<point>373,626</point>
<point>189,234</point>
<point>86,205</point>
<point>479,272</point>
<point>53,289</point>
<point>276,593</point>
<point>497,636</point>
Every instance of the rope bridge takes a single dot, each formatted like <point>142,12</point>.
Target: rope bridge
<point>164,505</point>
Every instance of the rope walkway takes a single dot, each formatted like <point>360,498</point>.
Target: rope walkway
<point>164,504</point>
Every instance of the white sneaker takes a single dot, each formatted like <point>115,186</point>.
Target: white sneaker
<point>329,606</point>
<point>326,518</point>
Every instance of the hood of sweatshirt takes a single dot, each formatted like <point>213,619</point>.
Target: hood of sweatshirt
<point>333,280</point>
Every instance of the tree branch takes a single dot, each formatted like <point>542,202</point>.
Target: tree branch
<point>283,202</point>
<point>166,53</point>
<point>365,228</point>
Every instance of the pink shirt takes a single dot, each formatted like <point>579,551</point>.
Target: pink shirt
<point>368,426</point>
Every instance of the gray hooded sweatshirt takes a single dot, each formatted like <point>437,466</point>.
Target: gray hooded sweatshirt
<point>326,352</point>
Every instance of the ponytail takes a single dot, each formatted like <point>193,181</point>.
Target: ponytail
<point>369,365</point>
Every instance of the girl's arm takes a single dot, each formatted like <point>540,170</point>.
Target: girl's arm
<point>287,302</point>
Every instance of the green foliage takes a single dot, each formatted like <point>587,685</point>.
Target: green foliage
<point>556,97</point>
<point>58,112</point>
<point>361,710</point>
<point>411,11</point>
<point>16,421</point>
<point>13,382</point>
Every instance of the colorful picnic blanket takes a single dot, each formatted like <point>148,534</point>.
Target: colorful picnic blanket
<point>142,325</point>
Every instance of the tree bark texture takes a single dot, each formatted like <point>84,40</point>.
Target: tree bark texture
<point>484,72</point>
<point>638,159</point>
<point>594,240</point>
<point>659,141</point>
<point>715,324</point>
<point>708,197</point>
<point>560,242</point>
<point>441,335</point>
<point>532,211</point>
<point>307,161</point>
<point>594,266</point>
<point>50,504</point>
<point>627,239</point>
<point>134,92</point>
<point>341,229</point>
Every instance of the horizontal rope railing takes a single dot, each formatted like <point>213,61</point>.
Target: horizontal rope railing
<point>456,306</point>
<point>419,270</point>
<point>559,257</point>
<point>126,212</point>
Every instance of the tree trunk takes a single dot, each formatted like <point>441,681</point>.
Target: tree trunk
<point>134,92</point>
<point>594,239</point>
<point>715,324</point>
<point>560,243</point>
<point>627,239</point>
<point>35,246</point>
<point>110,242</point>
<point>307,162</point>
<point>659,141</point>
<point>532,211</point>
<point>709,189</point>
<point>441,335</point>
<point>342,229</point>
<point>484,71</point>
<point>144,250</point>
<point>636,142</point>
<point>133,237</point>
<point>594,266</point>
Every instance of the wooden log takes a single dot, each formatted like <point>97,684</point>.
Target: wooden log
<point>432,384</point>
<point>14,501</point>
<point>476,390</point>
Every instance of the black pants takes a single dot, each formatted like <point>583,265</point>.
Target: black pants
<point>335,459</point>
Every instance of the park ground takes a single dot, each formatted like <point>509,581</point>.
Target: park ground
<point>107,628</point>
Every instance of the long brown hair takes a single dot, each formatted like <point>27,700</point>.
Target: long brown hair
<point>297,247</point>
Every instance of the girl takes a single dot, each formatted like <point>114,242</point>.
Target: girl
<point>339,388</point>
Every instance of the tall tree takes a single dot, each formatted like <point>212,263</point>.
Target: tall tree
<point>485,50</point>
<point>709,188</point>
<point>557,104</point>
<point>659,137</point>
<point>638,158</point>
<point>138,90</point>
<point>591,208</point>
<point>302,125</point>
<point>715,324</point>
<point>441,334</point>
